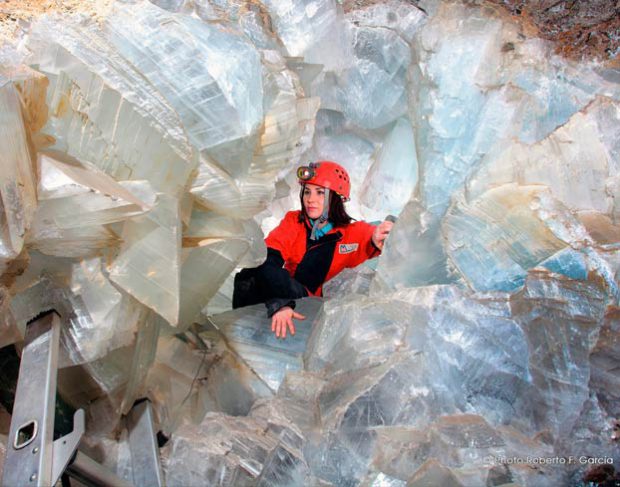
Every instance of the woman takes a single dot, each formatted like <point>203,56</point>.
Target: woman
<point>309,247</point>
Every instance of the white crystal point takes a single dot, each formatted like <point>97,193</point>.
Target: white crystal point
<point>148,265</point>
<point>103,111</point>
<point>101,303</point>
<point>77,200</point>
<point>75,195</point>
<point>32,87</point>
<point>208,257</point>
<point>393,175</point>
<point>211,76</point>
<point>207,227</point>
<point>81,242</point>
<point>62,175</point>
<point>222,300</point>
<point>215,190</point>
<point>496,238</point>
<point>17,177</point>
<point>114,316</point>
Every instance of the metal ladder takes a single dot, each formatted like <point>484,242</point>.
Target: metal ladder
<point>33,457</point>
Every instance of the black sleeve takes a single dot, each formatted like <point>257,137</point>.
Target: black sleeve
<point>276,279</point>
<point>281,289</point>
<point>274,258</point>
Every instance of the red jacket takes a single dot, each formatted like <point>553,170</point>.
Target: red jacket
<point>347,246</point>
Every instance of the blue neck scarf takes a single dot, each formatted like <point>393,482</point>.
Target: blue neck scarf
<point>319,232</point>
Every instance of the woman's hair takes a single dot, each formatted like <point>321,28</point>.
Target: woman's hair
<point>337,213</point>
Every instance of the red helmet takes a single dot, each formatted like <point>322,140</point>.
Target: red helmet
<point>327,174</point>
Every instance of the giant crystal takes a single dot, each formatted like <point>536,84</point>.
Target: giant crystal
<point>77,202</point>
<point>97,317</point>
<point>499,236</point>
<point>496,354</point>
<point>312,30</point>
<point>487,331</point>
<point>17,180</point>
<point>458,121</point>
<point>216,93</point>
<point>148,265</point>
<point>78,195</point>
<point>233,451</point>
<point>101,110</point>
<point>371,92</point>
<point>393,175</point>
<point>165,269</point>
<point>188,380</point>
<point>572,160</point>
<point>437,319</point>
<point>235,178</point>
<point>248,333</point>
<point>215,255</point>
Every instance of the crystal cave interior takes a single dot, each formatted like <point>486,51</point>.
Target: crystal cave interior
<point>147,148</point>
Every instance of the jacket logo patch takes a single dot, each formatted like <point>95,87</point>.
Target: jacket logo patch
<point>347,248</point>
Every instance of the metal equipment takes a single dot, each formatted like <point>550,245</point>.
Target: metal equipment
<point>33,457</point>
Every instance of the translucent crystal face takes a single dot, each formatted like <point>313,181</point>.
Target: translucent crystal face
<point>17,178</point>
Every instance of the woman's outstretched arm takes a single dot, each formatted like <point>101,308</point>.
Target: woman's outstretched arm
<point>280,288</point>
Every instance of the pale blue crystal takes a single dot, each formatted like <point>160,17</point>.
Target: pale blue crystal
<point>211,77</point>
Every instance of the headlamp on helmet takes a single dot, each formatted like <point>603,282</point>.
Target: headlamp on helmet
<point>306,173</point>
<point>327,174</point>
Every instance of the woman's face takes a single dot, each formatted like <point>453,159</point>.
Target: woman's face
<point>314,199</point>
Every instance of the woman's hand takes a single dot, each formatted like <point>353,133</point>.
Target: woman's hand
<point>283,319</point>
<point>381,232</point>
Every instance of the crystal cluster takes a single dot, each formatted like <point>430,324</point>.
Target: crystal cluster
<point>147,153</point>
<point>131,176</point>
